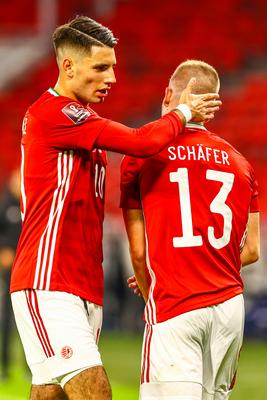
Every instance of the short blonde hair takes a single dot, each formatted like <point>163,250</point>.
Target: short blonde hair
<point>208,80</point>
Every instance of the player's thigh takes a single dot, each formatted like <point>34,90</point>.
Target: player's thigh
<point>47,392</point>
<point>221,353</point>
<point>90,384</point>
<point>172,357</point>
<point>56,333</point>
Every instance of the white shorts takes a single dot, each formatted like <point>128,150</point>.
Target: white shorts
<point>59,333</point>
<point>193,356</point>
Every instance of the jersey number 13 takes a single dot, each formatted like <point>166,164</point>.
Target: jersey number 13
<point>218,206</point>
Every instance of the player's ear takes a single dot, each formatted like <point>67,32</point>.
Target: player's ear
<point>167,97</point>
<point>68,67</point>
<point>166,101</point>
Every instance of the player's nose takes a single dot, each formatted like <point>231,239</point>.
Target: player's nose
<point>111,78</point>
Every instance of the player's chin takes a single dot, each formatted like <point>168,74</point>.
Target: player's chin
<point>97,100</point>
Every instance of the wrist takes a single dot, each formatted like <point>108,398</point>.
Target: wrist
<point>185,110</point>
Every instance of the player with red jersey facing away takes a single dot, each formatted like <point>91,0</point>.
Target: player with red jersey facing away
<point>191,214</point>
<point>57,277</point>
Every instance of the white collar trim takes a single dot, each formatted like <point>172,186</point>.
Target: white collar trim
<point>195,126</point>
<point>53,92</point>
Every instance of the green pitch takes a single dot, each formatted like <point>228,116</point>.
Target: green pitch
<point>121,356</point>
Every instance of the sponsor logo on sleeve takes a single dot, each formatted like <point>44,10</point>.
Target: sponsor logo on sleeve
<point>76,112</point>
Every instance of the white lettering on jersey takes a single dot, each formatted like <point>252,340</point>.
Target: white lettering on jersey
<point>208,153</point>
<point>225,157</point>
<point>172,155</point>
<point>198,153</point>
<point>201,155</point>
<point>191,152</point>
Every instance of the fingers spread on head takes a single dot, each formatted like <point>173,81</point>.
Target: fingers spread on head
<point>212,109</point>
<point>191,84</point>
<point>209,117</point>
<point>210,96</point>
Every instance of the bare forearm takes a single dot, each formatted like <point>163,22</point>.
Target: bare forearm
<point>134,223</point>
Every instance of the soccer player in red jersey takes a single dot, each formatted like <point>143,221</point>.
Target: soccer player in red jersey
<point>191,214</point>
<point>57,277</point>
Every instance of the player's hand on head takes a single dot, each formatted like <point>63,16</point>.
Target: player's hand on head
<point>202,106</point>
<point>132,284</point>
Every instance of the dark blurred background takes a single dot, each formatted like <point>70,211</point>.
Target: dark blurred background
<point>154,37</point>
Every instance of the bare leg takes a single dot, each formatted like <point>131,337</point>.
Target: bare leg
<point>47,392</point>
<point>91,384</point>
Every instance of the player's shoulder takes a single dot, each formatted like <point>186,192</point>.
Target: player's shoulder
<point>196,134</point>
<point>231,150</point>
<point>51,106</point>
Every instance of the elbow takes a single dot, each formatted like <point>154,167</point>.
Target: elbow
<point>138,260</point>
<point>254,253</point>
<point>250,256</point>
<point>253,257</point>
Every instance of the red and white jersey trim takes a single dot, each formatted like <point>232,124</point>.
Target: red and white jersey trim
<point>38,323</point>
<point>150,312</point>
<point>47,242</point>
<point>146,354</point>
<point>192,125</point>
<point>53,92</point>
<point>22,188</point>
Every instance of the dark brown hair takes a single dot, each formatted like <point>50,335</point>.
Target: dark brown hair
<point>83,33</point>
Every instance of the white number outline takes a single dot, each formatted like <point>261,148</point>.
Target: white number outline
<point>100,174</point>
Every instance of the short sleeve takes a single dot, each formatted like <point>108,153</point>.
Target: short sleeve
<point>254,203</point>
<point>129,185</point>
<point>68,124</point>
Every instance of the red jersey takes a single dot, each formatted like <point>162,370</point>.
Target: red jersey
<point>63,188</point>
<point>196,195</point>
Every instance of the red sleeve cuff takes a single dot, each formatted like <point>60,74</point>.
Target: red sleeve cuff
<point>254,205</point>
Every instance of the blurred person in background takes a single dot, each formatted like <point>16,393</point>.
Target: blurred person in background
<point>192,218</point>
<point>57,277</point>
<point>10,227</point>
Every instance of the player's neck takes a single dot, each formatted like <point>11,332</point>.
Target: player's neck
<point>62,90</point>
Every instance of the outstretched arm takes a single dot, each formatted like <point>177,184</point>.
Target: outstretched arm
<point>251,250</point>
<point>135,227</point>
<point>140,142</point>
<point>153,137</point>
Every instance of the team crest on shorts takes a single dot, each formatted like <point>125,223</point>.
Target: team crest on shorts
<point>66,352</point>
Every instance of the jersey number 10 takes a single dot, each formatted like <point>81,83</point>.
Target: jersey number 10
<point>218,206</point>
<point>100,173</point>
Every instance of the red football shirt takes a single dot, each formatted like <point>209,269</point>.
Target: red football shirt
<point>63,188</point>
<point>196,195</point>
